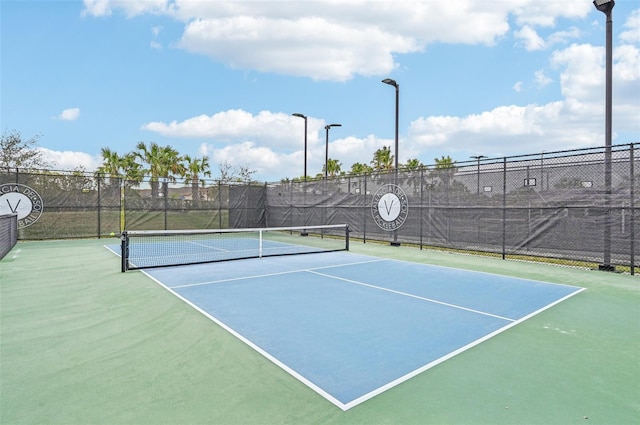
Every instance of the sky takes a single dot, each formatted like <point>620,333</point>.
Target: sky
<point>222,79</point>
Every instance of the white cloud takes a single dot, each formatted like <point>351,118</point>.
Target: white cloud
<point>100,8</point>
<point>532,41</point>
<point>268,162</point>
<point>310,46</point>
<point>279,129</point>
<point>69,160</point>
<point>70,114</point>
<point>541,79</point>
<point>562,37</point>
<point>632,28</point>
<point>269,141</point>
<point>575,121</point>
<point>517,87</point>
<point>545,13</point>
<point>97,8</point>
<point>337,40</point>
<point>259,158</point>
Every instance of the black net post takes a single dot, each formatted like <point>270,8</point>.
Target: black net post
<point>346,237</point>
<point>124,251</point>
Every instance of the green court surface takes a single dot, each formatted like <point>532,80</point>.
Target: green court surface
<point>82,343</point>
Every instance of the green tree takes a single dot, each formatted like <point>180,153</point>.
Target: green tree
<point>152,157</point>
<point>163,163</point>
<point>382,159</point>
<point>111,163</point>
<point>359,169</point>
<point>171,168</point>
<point>445,169</point>
<point>113,167</point>
<point>333,167</point>
<point>194,168</point>
<point>413,164</point>
<point>132,171</point>
<point>16,152</point>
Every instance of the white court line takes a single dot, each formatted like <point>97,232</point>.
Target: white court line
<point>211,282</point>
<point>406,294</point>
<point>454,353</point>
<point>215,248</point>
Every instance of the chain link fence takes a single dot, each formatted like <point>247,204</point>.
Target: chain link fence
<point>574,207</point>
<point>552,206</point>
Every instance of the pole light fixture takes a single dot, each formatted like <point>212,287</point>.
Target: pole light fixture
<point>297,114</point>
<point>393,83</point>
<point>606,7</point>
<point>326,148</point>
<point>478,158</point>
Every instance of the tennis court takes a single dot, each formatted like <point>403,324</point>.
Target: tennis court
<point>351,326</point>
<point>337,337</point>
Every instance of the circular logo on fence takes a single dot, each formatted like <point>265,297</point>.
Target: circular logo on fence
<point>389,207</point>
<point>22,200</point>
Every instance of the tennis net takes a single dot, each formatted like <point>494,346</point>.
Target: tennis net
<point>8,233</point>
<point>146,248</point>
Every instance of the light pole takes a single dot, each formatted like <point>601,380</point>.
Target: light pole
<point>326,149</point>
<point>478,158</point>
<point>606,7</point>
<point>397,86</point>
<point>393,83</point>
<point>297,114</point>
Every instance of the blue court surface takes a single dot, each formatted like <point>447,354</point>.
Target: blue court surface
<point>351,326</point>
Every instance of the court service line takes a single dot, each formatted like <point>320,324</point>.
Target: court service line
<point>259,276</point>
<point>406,294</point>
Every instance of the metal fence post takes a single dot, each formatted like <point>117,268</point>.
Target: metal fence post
<point>421,203</point>
<point>364,209</point>
<point>504,207</point>
<point>99,206</point>
<point>632,207</point>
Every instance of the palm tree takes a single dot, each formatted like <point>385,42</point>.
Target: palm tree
<point>150,156</point>
<point>132,170</point>
<point>359,168</point>
<point>333,167</point>
<point>445,169</point>
<point>118,167</point>
<point>194,168</point>
<point>172,167</point>
<point>382,159</point>
<point>111,166</point>
<point>164,162</point>
<point>413,164</point>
